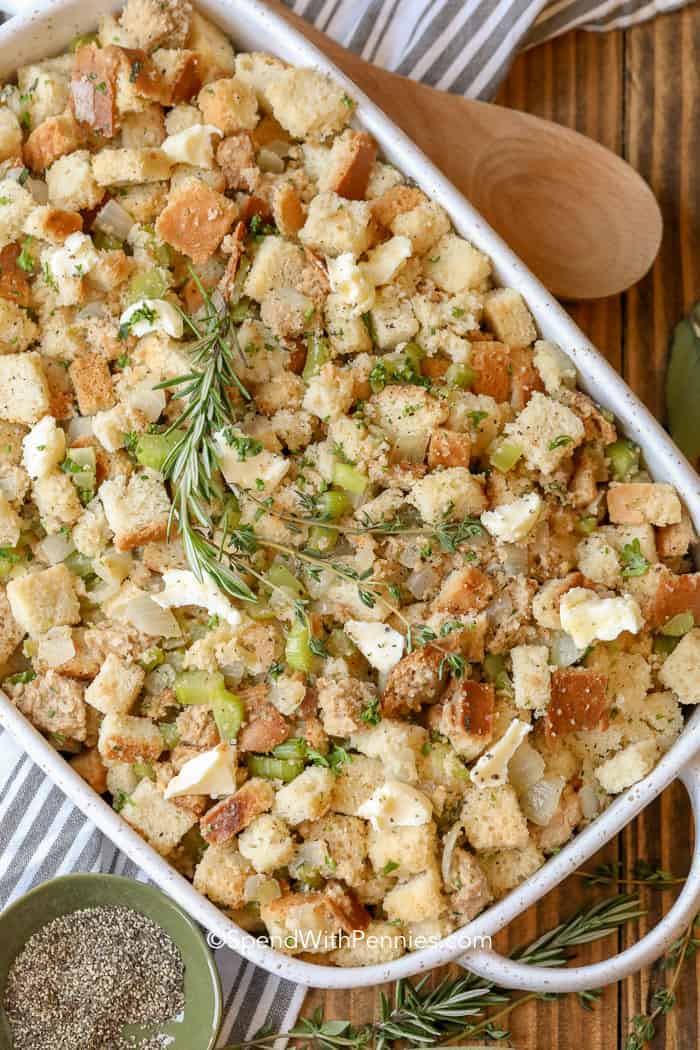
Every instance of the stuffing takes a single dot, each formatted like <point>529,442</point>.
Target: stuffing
<point>334,225</point>
<point>91,768</point>
<point>397,745</point>
<point>136,510</point>
<point>381,943</point>
<point>547,432</point>
<point>221,875</point>
<point>505,869</point>
<point>508,317</point>
<point>24,390</point>
<point>229,104</point>
<point>392,319</point>
<point>466,717</point>
<point>427,224</point>
<point>300,922</point>
<point>626,767</point>
<point>160,822</point>
<point>115,688</point>
<point>308,797</point>
<point>53,704</point>
<point>417,899</point>
<point>493,819</point>
<point>128,738</point>
<point>355,783</point>
<point>531,677</point>
<point>643,504</point>
<point>147,24</point>
<point>451,494</point>
<point>266,843</point>
<point>464,591</point>
<point>92,380</point>
<point>681,670</point>
<point>579,701</point>
<point>121,167</point>
<point>213,49</point>
<point>11,634</point>
<point>350,162</point>
<point>413,682</point>
<point>456,266</point>
<point>308,104</point>
<point>40,600</point>
<point>16,204</point>
<point>344,839</point>
<point>471,890</point>
<point>342,702</point>
<point>402,852</point>
<point>230,816</point>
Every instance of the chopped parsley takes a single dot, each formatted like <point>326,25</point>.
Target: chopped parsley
<point>144,313</point>
<point>245,446</point>
<point>633,561</point>
<point>560,442</point>
<point>371,714</point>
<point>391,865</point>
<point>26,260</point>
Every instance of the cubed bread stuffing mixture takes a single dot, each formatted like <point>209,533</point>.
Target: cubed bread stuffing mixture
<point>314,559</point>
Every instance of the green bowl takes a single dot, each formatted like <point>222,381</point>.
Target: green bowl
<point>198,1028</point>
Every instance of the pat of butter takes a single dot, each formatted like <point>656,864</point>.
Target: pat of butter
<point>396,805</point>
<point>43,447</point>
<point>152,315</point>
<point>381,646</point>
<point>511,522</point>
<point>261,473</point>
<point>351,283</point>
<point>492,768</point>
<point>192,146</point>
<point>587,617</point>
<point>183,588</point>
<point>75,258</point>
<point>384,261</point>
<point>213,774</point>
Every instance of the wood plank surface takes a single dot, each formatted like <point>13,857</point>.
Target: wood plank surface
<point>637,92</point>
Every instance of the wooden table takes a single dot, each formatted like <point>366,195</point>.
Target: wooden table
<point>638,93</point>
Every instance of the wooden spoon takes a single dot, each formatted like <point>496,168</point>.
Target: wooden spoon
<point>580,217</point>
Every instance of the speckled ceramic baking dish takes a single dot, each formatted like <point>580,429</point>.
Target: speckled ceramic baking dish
<point>45,27</point>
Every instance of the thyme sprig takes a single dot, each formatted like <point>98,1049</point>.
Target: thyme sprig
<point>643,1026</point>
<point>456,1009</point>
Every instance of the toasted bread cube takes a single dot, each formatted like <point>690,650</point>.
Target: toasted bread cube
<point>94,87</point>
<point>136,509</point>
<point>53,704</point>
<point>681,670</point>
<point>235,156</point>
<point>52,224</point>
<point>416,900</point>
<point>347,333</point>
<point>467,716</point>
<point>413,682</point>
<point>92,380</point>
<point>426,226</point>
<point>16,203</point>
<point>212,48</point>
<point>308,104</point>
<point>381,942</point>
<point>10,523</point>
<point>508,868</point>
<point>345,839</point>
<point>396,200</point>
<point>145,203</point>
<point>127,738</point>
<point>397,745</point>
<point>53,139</point>
<point>674,594</point>
<point>673,541</point>
<point>230,816</point>
<point>229,104</point>
<point>402,852</point>
<point>221,876</point>
<point>531,677</point>
<point>350,162</point>
<point>561,826</point>
<point>454,264</point>
<point>267,843</point>
<point>71,183</point>
<point>40,600</point>
<point>10,135</point>
<point>277,264</point>
<point>491,361</point>
<point>121,778</point>
<point>44,88</point>
<point>464,591</point>
<point>17,330</point>
<point>11,634</point>
<point>355,783</point>
<point>145,129</point>
<point>578,702</point>
<point>341,702</point>
<point>448,448</point>
<point>334,225</point>
<point>471,891</point>
<point>149,23</point>
<point>644,503</point>
<point>408,416</point>
<point>159,821</point>
<point>287,209</point>
<point>493,819</point>
<point>599,561</point>
<point>89,765</point>
<point>509,318</point>
<point>120,167</point>
<point>547,432</point>
<point>179,73</point>
<point>453,493</point>
<point>627,767</point>
<point>196,220</point>
<point>116,687</point>
<point>307,797</point>
<point>259,71</point>
<point>393,320</point>
<point>56,498</point>
<point>300,922</point>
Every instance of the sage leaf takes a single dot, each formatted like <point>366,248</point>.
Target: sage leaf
<point>683,385</point>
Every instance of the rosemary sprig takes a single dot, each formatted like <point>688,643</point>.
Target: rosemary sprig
<point>456,1008</point>
<point>643,874</point>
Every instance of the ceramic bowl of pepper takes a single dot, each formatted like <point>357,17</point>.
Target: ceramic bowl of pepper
<point>193,1028</point>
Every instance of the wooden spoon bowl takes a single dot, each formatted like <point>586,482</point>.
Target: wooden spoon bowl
<point>579,216</point>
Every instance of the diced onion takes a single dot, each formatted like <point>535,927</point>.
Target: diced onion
<point>590,801</point>
<point>159,679</point>
<point>146,615</point>
<point>39,190</point>
<point>261,888</point>
<point>56,647</point>
<point>422,581</point>
<point>525,768</point>
<point>562,650</point>
<point>269,160</point>
<point>145,398</point>
<point>539,803</point>
<point>411,448</point>
<point>56,548</point>
<point>515,559</point>
<point>448,847</point>
<point>79,427</point>
<point>94,309</point>
<point>114,220</point>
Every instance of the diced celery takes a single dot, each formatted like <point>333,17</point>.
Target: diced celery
<point>198,687</point>
<point>623,456</point>
<point>78,564</point>
<point>322,539</point>
<point>587,524</point>
<point>678,625</point>
<point>106,242</point>
<point>310,877</point>
<point>349,478</point>
<point>143,770</point>
<point>152,449</point>
<point>241,310</point>
<point>279,576</point>
<point>151,658</point>
<point>171,737</point>
<point>9,557</point>
<point>229,712</point>
<point>81,464</point>
<point>260,611</point>
<point>298,652</point>
<point>148,284</point>
<point>461,376</point>
<point>338,643</point>
<point>664,644</point>
<point>292,748</point>
<point>332,504</point>
<point>285,769</point>
<point>84,40</point>
<point>317,353</point>
<point>494,666</point>
<point>505,455</point>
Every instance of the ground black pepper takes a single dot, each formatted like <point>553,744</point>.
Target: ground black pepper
<point>81,978</point>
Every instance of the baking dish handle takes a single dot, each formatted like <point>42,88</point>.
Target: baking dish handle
<point>508,973</point>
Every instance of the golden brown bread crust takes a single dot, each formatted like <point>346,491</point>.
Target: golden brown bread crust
<point>224,820</point>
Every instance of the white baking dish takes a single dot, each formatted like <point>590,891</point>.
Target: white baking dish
<point>44,27</point>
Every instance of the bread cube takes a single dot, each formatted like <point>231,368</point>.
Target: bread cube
<point>531,677</point>
<point>395,744</point>
<point>121,779</point>
<point>393,320</point>
<point>644,503</point>
<point>71,183</point>
<point>508,317</point>
<point>137,510</point>
<point>599,561</point>
<point>413,682</point>
<point>147,24</point>
<point>464,591</point>
<point>267,843</point>
<point>341,701</point>
<point>17,330</point>
<point>300,922</point>
<point>128,738</point>
<point>259,71</point>
<point>471,891</point>
<point>145,129</point>
<point>467,715</point>
<point>454,264</point>
<point>56,137</point>
<point>547,432</point>
<point>213,48</point>
<point>221,876</point>
<point>11,634</point>
<point>89,765</point>
<point>334,225</point>
<point>493,819</point>
<point>16,203</point>
<point>121,167</point>
<point>40,600</point>
<point>116,687</point>
<point>347,333</point>
<point>236,812</point>
<point>681,670</point>
<point>627,767</point>
<point>381,942</point>
<point>44,88</point>
<point>307,797</point>
<point>350,162</point>
<point>425,226</point>
<point>229,104</point>
<point>453,493</point>
<point>345,840</point>
<point>10,135</point>
<point>93,384</point>
<point>355,783</point>
<point>401,852</point>
<point>196,220</point>
<point>508,868</point>
<point>160,822</point>
<point>53,704</point>
<point>417,899</point>
<point>10,523</point>
<point>309,104</point>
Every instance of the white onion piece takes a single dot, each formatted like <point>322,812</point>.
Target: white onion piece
<point>114,220</point>
<point>515,559</point>
<point>159,679</point>
<point>311,855</point>
<point>56,647</point>
<point>94,309</point>
<point>562,650</point>
<point>539,803</point>
<point>269,160</point>
<point>590,800</point>
<point>261,888</point>
<point>411,448</point>
<point>39,190</point>
<point>144,398</point>
<point>147,616</point>
<point>525,768</point>
<point>15,173</point>
<point>448,847</point>
<point>499,609</point>
<point>422,581</point>
<point>79,427</point>
<point>56,548</point>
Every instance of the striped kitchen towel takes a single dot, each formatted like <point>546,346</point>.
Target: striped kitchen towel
<point>464,46</point>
